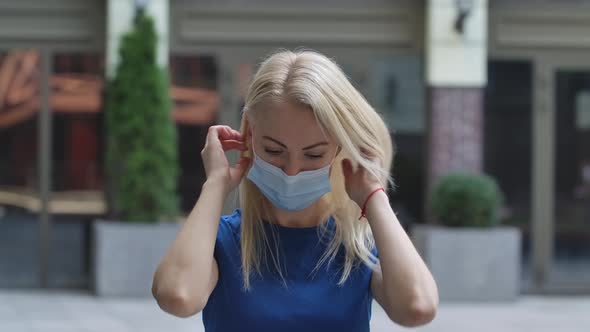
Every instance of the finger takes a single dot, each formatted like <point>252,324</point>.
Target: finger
<point>346,167</point>
<point>243,163</point>
<point>233,142</point>
<point>227,133</point>
<point>223,132</point>
<point>212,136</point>
<point>233,145</point>
<point>240,168</point>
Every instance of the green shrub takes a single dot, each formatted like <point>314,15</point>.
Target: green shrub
<point>141,139</point>
<point>462,200</point>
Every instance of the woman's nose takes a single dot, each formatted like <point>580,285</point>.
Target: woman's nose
<point>291,169</point>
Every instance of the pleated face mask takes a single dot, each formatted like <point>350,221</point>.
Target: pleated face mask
<point>292,193</point>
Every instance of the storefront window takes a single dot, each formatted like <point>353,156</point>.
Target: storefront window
<point>20,104</point>
<point>396,90</point>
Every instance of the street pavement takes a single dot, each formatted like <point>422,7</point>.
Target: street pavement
<point>62,311</point>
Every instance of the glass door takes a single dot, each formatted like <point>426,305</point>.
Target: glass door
<point>508,145</point>
<point>570,263</point>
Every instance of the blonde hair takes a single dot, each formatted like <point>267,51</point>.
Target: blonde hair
<point>310,79</point>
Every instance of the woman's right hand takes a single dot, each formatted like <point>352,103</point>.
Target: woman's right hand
<point>219,140</point>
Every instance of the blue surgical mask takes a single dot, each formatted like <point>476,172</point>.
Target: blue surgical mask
<point>291,193</point>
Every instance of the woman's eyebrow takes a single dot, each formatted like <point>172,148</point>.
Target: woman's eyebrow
<point>305,148</point>
<point>274,140</point>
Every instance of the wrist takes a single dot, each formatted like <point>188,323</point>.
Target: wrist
<point>364,196</point>
<point>216,184</point>
<point>373,202</point>
<point>378,200</point>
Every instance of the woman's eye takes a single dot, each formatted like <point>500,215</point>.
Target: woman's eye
<point>314,156</point>
<point>273,152</point>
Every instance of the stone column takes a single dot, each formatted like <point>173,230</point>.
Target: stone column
<point>456,75</point>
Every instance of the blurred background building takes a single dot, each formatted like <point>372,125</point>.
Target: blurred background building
<point>513,101</point>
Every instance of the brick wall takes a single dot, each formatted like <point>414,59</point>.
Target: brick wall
<point>456,131</point>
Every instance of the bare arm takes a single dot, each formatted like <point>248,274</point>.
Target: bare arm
<point>402,284</point>
<point>188,272</point>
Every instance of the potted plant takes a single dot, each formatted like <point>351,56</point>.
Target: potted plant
<point>472,257</point>
<point>142,168</point>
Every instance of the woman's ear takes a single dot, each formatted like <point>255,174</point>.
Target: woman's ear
<point>248,137</point>
<point>247,134</point>
<point>246,129</point>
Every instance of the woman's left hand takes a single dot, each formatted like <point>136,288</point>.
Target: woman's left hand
<point>359,184</point>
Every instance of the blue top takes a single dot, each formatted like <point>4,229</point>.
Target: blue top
<point>309,302</point>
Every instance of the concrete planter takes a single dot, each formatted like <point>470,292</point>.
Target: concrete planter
<point>126,256</point>
<point>20,252</point>
<point>472,264</point>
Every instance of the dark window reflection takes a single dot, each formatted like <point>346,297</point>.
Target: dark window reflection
<point>508,140</point>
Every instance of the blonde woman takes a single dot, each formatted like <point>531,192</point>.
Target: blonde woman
<point>300,254</point>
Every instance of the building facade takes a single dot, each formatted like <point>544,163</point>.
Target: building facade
<point>525,120</point>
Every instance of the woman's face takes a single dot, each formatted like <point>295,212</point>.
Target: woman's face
<point>289,137</point>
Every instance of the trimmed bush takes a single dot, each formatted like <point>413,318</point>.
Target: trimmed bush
<point>141,156</point>
<point>464,200</point>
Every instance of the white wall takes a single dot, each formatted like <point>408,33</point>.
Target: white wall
<point>119,19</point>
<point>455,59</point>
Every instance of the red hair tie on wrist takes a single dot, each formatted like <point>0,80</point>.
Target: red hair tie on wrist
<point>364,209</point>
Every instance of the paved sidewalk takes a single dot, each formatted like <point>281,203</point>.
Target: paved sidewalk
<point>30,311</point>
